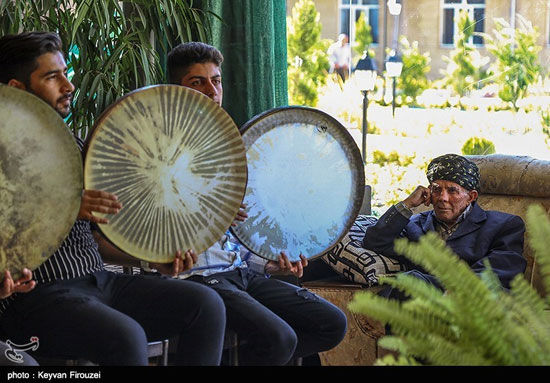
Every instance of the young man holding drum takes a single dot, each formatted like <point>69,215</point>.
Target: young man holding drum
<point>275,320</point>
<point>77,308</point>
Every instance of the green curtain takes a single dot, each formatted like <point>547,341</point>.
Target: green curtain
<point>252,37</point>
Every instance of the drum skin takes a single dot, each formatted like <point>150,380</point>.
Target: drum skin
<point>40,180</point>
<point>305,183</point>
<point>176,162</point>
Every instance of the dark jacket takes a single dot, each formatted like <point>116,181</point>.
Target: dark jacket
<point>491,235</point>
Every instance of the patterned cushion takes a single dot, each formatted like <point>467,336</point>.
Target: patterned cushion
<point>354,262</point>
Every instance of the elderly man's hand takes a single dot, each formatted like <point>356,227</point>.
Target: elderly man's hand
<point>284,266</point>
<point>421,195</point>
<point>98,201</point>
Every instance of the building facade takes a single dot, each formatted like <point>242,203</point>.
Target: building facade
<point>430,22</point>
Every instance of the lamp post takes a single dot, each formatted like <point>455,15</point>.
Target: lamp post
<point>395,11</point>
<point>365,73</point>
<point>394,66</point>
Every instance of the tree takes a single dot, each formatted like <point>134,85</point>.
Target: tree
<point>111,46</point>
<point>516,52</point>
<point>363,36</point>
<point>308,62</point>
<point>465,66</point>
<point>478,146</point>
<point>475,321</point>
<point>413,80</point>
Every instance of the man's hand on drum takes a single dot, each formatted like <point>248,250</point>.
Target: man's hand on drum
<point>98,201</point>
<point>284,266</point>
<point>241,215</point>
<point>181,263</point>
<point>23,285</point>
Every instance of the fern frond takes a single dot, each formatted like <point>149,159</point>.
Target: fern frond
<point>526,331</point>
<point>523,293</point>
<point>390,360</point>
<point>441,351</point>
<point>454,274</point>
<point>490,279</point>
<point>538,228</point>
<point>417,288</point>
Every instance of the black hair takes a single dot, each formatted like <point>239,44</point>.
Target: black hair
<point>183,56</point>
<point>18,54</point>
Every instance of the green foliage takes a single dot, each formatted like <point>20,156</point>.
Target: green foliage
<point>416,66</point>
<point>382,159</point>
<point>516,52</point>
<point>363,36</point>
<point>465,65</point>
<point>111,46</point>
<point>308,61</point>
<point>475,321</point>
<point>478,145</point>
<point>545,123</point>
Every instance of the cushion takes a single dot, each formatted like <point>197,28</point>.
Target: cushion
<point>349,259</point>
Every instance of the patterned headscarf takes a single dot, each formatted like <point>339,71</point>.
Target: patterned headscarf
<point>454,168</point>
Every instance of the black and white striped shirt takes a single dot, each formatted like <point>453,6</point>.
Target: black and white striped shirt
<point>77,256</point>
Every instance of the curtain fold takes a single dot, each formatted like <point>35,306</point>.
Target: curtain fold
<point>252,37</point>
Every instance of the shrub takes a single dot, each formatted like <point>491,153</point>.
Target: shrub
<point>516,52</point>
<point>363,37</point>
<point>382,159</point>
<point>413,80</point>
<point>308,61</point>
<point>464,70</point>
<point>478,145</point>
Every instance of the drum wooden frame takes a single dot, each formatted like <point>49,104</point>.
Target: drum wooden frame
<point>176,162</point>
<point>305,183</point>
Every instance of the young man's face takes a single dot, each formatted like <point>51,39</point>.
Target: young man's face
<point>207,79</point>
<point>449,200</point>
<point>49,82</point>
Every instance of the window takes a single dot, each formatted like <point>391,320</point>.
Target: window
<point>350,11</point>
<point>451,8</point>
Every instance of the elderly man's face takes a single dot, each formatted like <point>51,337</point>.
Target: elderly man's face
<point>449,200</point>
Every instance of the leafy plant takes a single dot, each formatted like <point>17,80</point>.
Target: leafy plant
<point>475,321</point>
<point>381,158</point>
<point>465,66</point>
<point>308,61</point>
<point>516,52</point>
<point>363,36</point>
<point>111,46</point>
<point>478,145</point>
<point>416,66</point>
<point>545,123</point>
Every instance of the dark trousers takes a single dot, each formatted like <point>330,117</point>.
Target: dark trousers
<point>108,318</point>
<point>275,319</point>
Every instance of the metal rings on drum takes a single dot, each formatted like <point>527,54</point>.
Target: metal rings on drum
<point>305,183</point>
<point>176,162</point>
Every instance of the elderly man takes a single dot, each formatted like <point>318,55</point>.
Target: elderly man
<point>474,234</point>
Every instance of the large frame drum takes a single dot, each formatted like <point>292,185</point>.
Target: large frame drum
<point>176,162</point>
<point>40,181</point>
<point>305,183</point>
